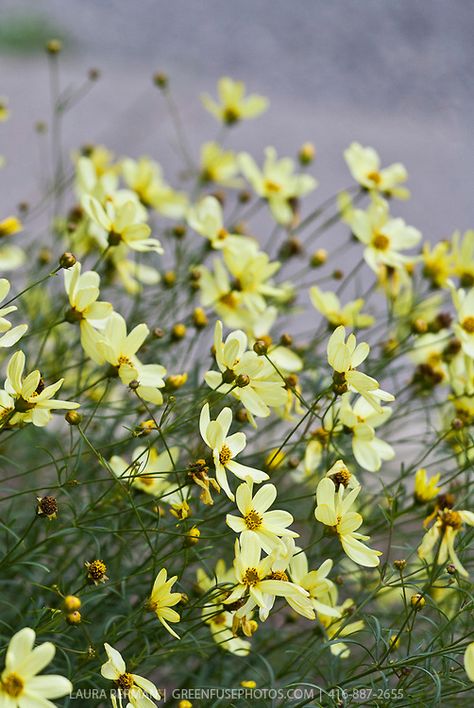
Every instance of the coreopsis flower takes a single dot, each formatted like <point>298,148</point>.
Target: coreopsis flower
<point>333,509</point>
<point>268,527</point>
<point>121,224</point>
<point>446,527</point>
<point>8,335</point>
<point>149,471</point>
<point>102,185</point>
<point>83,291</point>
<point>101,158</point>
<point>132,274</point>
<point>206,218</point>
<point>364,166</point>
<point>134,688</point>
<point>254,581</point>
<point>20,684</point>
<point>384,237</point>
<point>315,582</point>
<point>249,378</point>
<point>118,348</point>
<point>341,476</point>
<point>27,399</point>
<point>225,449</point>
<point>10,226</point>
<point>361,419</point>
<point>426,487</point>
<point>162,600</point>
<point>145,177</point>
<point>469,661</point>
<point>464,325</point>
<point>233,104</point>
<point>214,612</point>
<point>219,166</point>
<point>277,183</point>
<point>437,263</point>
<point>252,272</point>
<point>344,357</point>
<point>329,305</point>
<point>463,257</point>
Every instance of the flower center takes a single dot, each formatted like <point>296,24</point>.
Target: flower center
<point>279,575</point>
<point>341,477</point>
<point>253,520</point>
<point>451,518</point>
<point>381,242</point>
<point>114,238</point>
<point>224,455</point>
<point>374,177</point>
<point>125,681</point>
<point>468,324</point>
<point>272,186</point>
<point>219,619</point>
<point>251,577</point>
<point>231,115</point>
<point>13,685</point>
<point>124,360</point>
<point>229,299</point>
<point>222,234</point>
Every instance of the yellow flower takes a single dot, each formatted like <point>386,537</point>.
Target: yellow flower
<point>206,218</point>
<point>118,348</point>
<point>225,449</point>
<point>437,263</point>
<point>9,226</point>
<point>463,254</point>
<point>255,584</point>
<point>267,527</point>
<point>383,236</point>
<point>135,689</point>
<point>315,582</point>
<point>329,305</point>
<point>4,111</point>
<point>149,471</point>
<point>362,419</point>
<point>426,487</point>
<point>234,105</point>
<point>333,509</point>
<point>83,292</point>
<point>162,600</point>
<point>146,179</point>
<point>364,165</point>
<point>121,224</point>
<point>344,357</point>
<point>27,400</point>
<point>8,335</point>
<point>20,684</point>
<point>249,378</point>
<point>448,524</point>
<point>276,182</point>
<point>219,166</point>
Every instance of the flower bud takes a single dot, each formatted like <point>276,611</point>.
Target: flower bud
<point>160,80</point>
<point>73,418</point>
<point>67,260</point>
<point>242,380</point>
<point>200,318</point>
<point>178,331</point>
<point>54,46</point>
<point>260,347</point>
<point>306,154</point>
<point>319,258</point>
<point>74,617</point>
<point>72,603</point>
<point>417,601</point>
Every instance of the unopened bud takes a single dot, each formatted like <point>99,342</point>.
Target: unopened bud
<point>306,153</point>
<point>73,417</point>
<point>67,260</point>
<point>260,347</point>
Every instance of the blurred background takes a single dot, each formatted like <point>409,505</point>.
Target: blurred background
<point>393,74</point>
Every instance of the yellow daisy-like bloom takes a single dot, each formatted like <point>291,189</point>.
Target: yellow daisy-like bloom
<point>145,177</point>
<point>135,689</point>
<point>276,182</point>
<point>268,527</point>
<point>83,291</point>
<point>219,166</point>
<point>10,226</point>
<point>329,305</point>
<point>437,263</point>
<point>26,399</point>
<point>364,165</point>
<point>20,684</point>
<point>162,600</point>
<point>426,487</point>
<point>448,524</point>
<point>333,509</point>
<point>8,335</point>
<point>206,218</point>
<point>383,237</point>
<point>464,326</point>
<point>362,419</point>
<point>234,105</point>
<point>255,582</point>
<point>122,224</point>
<point>225,449</point>
<point>344,357</point>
